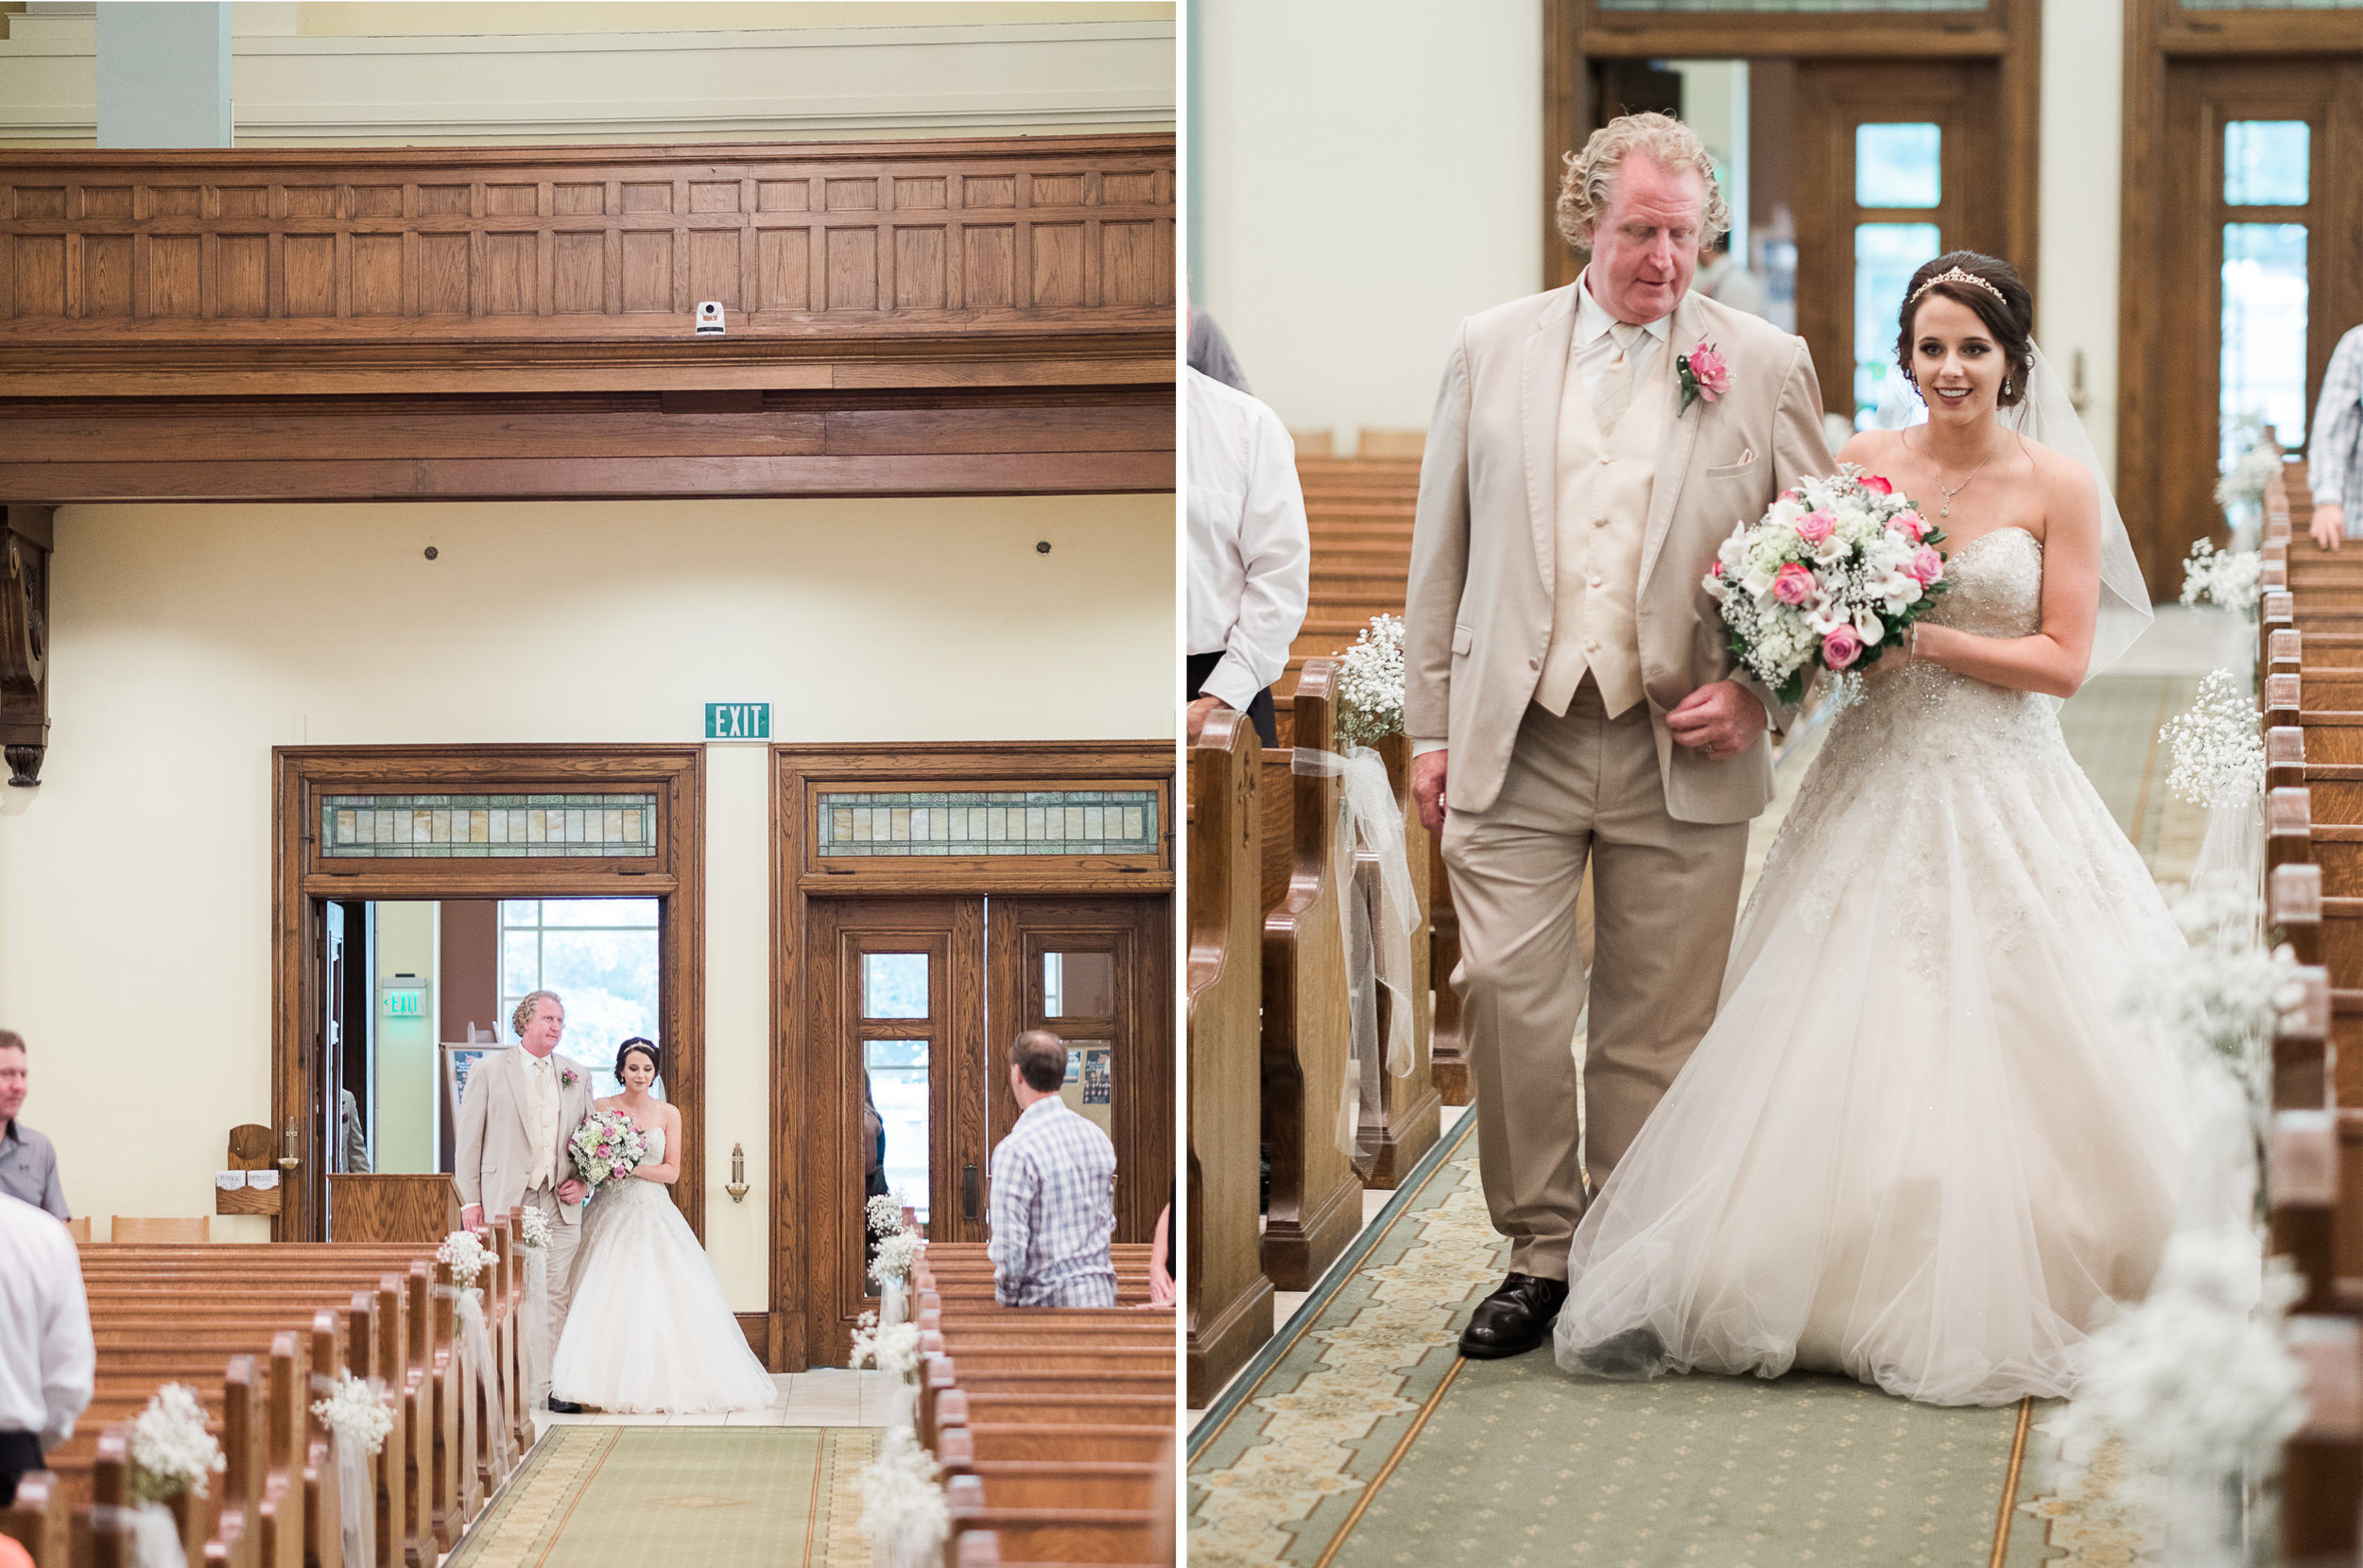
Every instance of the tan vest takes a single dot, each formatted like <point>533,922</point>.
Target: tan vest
<point>1603,514</point>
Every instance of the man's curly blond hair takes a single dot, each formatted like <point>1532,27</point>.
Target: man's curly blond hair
<point>523,1014</point>
<point>1583,190</point>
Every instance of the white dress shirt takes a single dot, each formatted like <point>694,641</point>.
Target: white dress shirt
<point>1250,554</point>
<point>46,1356</point>
<point>1589,354</point>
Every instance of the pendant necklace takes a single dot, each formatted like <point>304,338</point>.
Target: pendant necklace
<point>1951,491</point>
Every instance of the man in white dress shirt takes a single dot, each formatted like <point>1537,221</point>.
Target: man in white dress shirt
<point>46,1358</point>
<point>1054,1184</point>
<point>1250,554</point>
<point>512,1144</point>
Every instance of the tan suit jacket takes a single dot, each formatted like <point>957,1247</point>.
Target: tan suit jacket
<point>492,1157</point>
<point>1478,613</point>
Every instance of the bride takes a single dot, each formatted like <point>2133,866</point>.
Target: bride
<point>1920,1146</point>
<point>649,1329</point>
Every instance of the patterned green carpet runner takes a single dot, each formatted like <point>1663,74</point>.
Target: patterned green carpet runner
<point>717,1497</point>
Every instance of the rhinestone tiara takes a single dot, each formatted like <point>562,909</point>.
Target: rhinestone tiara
<point>1954,275</point>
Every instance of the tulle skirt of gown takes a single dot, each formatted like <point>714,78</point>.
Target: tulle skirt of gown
<point>1921,1145</point>
<point>649,1328</point>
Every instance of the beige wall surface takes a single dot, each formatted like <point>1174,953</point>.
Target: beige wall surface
<point>1370,172</point>
<point>384,74</point>
<point>188,641</point>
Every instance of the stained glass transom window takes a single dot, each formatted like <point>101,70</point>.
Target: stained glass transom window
<point>487,827</point>
<point>1011,822</point>
<point>1791,7</point>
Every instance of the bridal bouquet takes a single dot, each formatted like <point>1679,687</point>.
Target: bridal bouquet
<point>1826,579</point>
<point>607,1147</point>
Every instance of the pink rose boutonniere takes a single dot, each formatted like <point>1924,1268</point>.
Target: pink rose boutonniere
<point>566,1076</point>
<point>1704,375</point>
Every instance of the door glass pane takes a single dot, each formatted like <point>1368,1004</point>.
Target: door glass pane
<point>1090,1086</point>
<point>2267,162</point>
<point>1897,166</point>
<point>2264,331</point>
<point>1079,985</point>
<point>894,1132</point>
<point>1886,256</point>
<point>600,956</point>
<point>894,985</point>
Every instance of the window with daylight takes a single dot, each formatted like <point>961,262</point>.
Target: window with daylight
<point>1886,256</point>
<point>2267,162</point>
<point>894,985</point>
<point>1899,166</point>
<point>2264,333</point>
<point>600,956</point>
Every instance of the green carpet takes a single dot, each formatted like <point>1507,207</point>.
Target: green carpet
<point>1359,1437</point>
<point>719,1496</point>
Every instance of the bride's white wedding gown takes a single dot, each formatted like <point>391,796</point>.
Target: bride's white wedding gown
<point>649,1328</point>
<point>1920,1145</point>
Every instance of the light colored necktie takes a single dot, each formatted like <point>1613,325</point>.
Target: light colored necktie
<point>1615,393</point>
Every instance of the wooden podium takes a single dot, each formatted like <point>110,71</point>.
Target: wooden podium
<point>391,1208</point>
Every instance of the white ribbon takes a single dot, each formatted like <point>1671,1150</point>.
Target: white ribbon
<point>155,1534</point>
<point>1374,923</point>
<point>893,1305</point>
<point>537,1319</point>
<point>356,1499</point>
<point>478,1340</point>
<point>898,1396</point>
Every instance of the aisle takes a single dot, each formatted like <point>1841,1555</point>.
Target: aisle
<point>1358,1437</point>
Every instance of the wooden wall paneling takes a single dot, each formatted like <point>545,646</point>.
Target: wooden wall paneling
<point>301,879</point>
<point>1227,1297</point>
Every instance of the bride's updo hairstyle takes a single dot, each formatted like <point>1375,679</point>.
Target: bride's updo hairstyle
<point>646,1048</point>
<point>2003,304</point>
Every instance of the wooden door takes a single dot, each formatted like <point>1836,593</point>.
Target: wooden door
<point>2264,194</point>
<point>1095,973</point>
<point>898,993</point>
<point>1897,162</point>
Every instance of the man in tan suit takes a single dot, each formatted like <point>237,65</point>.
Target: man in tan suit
<point>1564,669</point>
<point>513,1149</point>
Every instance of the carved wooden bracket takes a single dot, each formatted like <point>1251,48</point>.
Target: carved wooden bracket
<point>25,540</point>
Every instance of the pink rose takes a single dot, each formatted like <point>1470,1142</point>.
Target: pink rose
<point>1926,565</point>
<point>1789,495</point>
<point>1841,648</point>
<point>1911,524</point>
<point>1793,585</point>
<point>1871,482</point>
<point>1708,369</point>
<point>1815,526</point>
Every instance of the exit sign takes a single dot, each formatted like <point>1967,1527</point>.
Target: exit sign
<point>405,1003</point>
<point>739,721</point>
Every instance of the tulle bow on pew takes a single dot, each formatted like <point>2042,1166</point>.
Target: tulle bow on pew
<point>1375,922</point>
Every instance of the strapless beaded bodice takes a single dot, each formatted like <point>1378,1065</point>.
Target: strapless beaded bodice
<point>1997,586</point>
<point>1996,592</point>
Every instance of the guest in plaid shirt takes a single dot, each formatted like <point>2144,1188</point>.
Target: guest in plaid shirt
<point>2334,463</point>
<point>1053,1191</point>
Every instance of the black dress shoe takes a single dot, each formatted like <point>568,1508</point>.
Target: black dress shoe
<point>564,1406</point>
<point>1515,1319</point>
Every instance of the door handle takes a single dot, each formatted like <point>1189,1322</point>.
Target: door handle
<point>970,1191</point>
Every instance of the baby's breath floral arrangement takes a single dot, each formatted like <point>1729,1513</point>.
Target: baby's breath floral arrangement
<point>2243,483</point>
<point>903,1512</point>
<point>2223,997</point>
<point>171,1451</point>
<point>886,1214</point>
<point>1370,684</point>
<point>897,1255</point>
<point>2198,1377</point>
<point>2218,755</point>
<point>533,1228</point>
<point>466,1255</point>
<point>2228,580</point>
<point>355,1413</point>
<point>893,1350</point>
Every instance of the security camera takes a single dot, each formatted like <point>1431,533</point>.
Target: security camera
<point>709,319</point>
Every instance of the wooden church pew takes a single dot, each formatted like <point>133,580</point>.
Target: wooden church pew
<point>1315,1205</point>
<point>38,1519</point>
<point>1228,1297</point>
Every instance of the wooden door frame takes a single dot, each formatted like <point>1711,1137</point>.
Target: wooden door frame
<point>2156,33</point>
<point>299,883</point>
<point>798,878</point>
<point>1575,32</point>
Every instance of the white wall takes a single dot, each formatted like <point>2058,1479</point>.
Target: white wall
<point>187,640</point>
<point>1371,174</point>
<point>2083,173</point>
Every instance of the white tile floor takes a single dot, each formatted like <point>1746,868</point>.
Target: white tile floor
<point>827,1396</point>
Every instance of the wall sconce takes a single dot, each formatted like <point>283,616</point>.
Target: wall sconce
<point>736,1186</point>
<point>287,1160</point>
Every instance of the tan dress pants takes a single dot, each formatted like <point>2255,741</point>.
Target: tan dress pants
<point>1665,895</point>
<point>564,1240</point>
